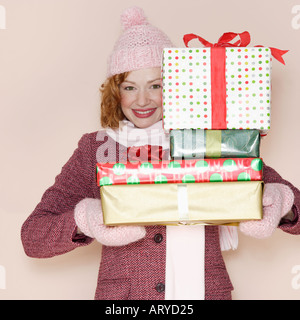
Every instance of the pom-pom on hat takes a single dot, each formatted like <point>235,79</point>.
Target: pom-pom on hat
<point>139,46</point>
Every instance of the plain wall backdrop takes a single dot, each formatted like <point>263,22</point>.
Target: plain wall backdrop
<point>53,57</point>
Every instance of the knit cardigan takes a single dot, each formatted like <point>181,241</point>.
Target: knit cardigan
<point>135,271</point>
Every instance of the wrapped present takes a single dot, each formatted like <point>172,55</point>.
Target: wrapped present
<point>193,143</point>
<point>180,171</point>
<point>221,86</point>
<point>217,88</point>
<point>172,204</point>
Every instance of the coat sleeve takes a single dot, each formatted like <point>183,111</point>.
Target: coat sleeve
<point>50,230</point>
<point>291,226</point>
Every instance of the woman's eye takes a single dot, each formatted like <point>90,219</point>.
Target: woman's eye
<point>129,88</point>
<point>156,86</point>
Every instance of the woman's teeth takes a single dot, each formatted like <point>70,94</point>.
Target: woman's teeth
<point>143,112</point>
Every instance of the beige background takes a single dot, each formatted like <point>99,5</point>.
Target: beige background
<point>52,61</point>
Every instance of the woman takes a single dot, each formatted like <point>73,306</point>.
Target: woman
<point>134,258</point>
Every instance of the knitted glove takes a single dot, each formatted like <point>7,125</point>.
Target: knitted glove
<point>278,200</point>
<point>89,219</point>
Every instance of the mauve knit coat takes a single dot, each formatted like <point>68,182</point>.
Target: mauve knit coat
<point>135,271</point>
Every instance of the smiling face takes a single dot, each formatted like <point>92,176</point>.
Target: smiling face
<point>141,97</point>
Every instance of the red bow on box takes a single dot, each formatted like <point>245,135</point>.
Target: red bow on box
<point>224,41</point>
<point>146,153</point>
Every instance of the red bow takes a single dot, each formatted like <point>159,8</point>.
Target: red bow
<point>224,41</point>
<point>146,153</point>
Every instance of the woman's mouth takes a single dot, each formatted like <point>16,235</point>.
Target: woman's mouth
<point>143,113</point>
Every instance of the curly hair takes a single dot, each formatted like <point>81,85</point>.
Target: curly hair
<point>111,112</point>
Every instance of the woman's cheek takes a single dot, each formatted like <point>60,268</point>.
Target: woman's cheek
<point>158,98</point>
<point>126,100</point>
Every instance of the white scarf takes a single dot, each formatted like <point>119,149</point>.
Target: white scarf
<point>128,135</point>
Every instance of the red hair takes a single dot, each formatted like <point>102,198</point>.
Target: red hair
<point>111,112</point>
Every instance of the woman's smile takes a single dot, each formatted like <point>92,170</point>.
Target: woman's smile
<point>144,113</point>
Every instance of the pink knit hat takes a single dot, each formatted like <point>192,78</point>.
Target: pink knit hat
<point>140,46</point>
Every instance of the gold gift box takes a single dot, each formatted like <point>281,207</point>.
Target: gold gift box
<point>174,204</point>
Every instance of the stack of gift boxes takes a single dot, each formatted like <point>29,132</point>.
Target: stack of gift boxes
<point>216,106</point>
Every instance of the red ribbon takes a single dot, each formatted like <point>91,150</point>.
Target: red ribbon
<point>218,89</point>
<point>277,53</point>
<point>224,41</point>
<point>146,153</point>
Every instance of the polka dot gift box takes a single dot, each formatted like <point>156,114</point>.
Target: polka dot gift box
<point>187,89</point>
<point>218,87</point>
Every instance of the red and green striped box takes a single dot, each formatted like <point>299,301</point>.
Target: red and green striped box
<point>180,171</point>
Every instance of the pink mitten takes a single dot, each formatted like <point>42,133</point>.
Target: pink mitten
<point>278,200</point>
<point>89,219</point>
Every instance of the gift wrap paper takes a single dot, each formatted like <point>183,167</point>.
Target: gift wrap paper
<point>180,171</point>
<point>193,144</point>
<point>217,88</point>
<point>173,204</point>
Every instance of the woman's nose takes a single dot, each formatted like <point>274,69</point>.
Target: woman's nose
<point>143,98</point>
